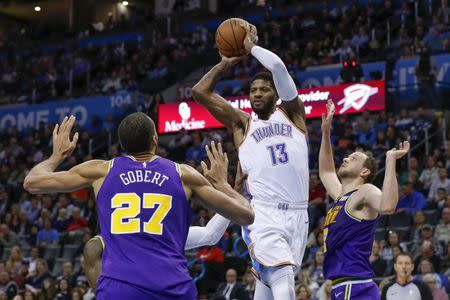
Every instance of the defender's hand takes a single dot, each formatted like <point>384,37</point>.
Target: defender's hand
<point>62,145</point>
<point>218,172</point>
<point>398,153</point>
<point>327,119</point>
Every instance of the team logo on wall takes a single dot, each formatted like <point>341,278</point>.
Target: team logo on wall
<point>356,96</point>
<point>184,110</point>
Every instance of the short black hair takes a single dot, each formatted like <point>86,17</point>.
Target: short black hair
<point>266,76</point>
<point>136,132</point>
<point>404,254</point>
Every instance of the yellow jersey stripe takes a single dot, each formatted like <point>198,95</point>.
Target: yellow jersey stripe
<point>101,241</point>
<point>346,296</point>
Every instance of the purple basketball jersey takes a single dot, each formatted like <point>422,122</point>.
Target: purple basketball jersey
<point>347,243</point>
<point>144,219</point>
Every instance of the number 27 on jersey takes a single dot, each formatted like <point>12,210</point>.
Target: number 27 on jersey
<point>127,206</point>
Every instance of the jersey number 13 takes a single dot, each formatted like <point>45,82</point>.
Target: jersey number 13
<point>278,154</point>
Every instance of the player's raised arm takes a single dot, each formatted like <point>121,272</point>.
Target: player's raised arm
<point>42,178</point>
<point>327,171</point>
<point>221,198</point>
<point>385,201</point>
<point>204,94</point>
<point>284,84</point>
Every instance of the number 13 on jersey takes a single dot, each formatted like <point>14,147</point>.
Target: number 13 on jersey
<point>127,206</point>
<point>278,154</point>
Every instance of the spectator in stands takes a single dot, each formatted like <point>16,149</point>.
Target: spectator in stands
<point>324,292</point>
<point>44,215</point>
<point>316,269</point>
<point>36,279</point>
<point>429,173</point>
<point>404,121</point>
<point>365,135</point>
<point>304,278</point>
<point>63,290</point>
<point>48,290</point>
<point>63,202</point>
<point>388,251</point>
<point>442,231</point>
<point>316,205</point>
<point>413,167</point>
<point>377,262</point>
<point>419,221</point>
<point>360,39</point>
<point>303,292</point>
<point>426,234</point>
<point>442,181</point>
<point>438,294</point>
<point>47,235</point>
<point>14,258</point>
<point>250,283</point>
<point>7,285</point>
<point>445,261</point>
<point>35,210</point>
<point>411,201</point>
<point>62,222</point>
<point>67,274</point>
<point>196,152</point>
<point>77,294</point>
<point>77,223</point>
<point>439,200</point>
<point>427,251</point>
<point>425,267</point>
<point>8,238</point>
<point>213,257</point>
<point>32,259</point>
<point>232,289</point>
<point>24,226</point>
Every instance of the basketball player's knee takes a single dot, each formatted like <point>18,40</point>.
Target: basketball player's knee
<point>282,283</point>
<point>273,274</point>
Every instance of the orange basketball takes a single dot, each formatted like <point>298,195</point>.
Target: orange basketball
<point>230,38</point>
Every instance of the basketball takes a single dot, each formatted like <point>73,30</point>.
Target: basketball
<point>230,38</point>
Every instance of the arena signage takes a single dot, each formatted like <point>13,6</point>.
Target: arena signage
<point>25,117</point>
<point>348,98</point>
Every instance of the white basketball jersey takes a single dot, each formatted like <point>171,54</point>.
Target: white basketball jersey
<point>274,155</point>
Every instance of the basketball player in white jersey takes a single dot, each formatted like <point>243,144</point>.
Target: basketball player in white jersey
<point>273,154</point>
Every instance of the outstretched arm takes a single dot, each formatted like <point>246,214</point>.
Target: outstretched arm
<point>284,84</point>
<point>221,198</point>
<point>204,94</point>
<point>213,231</point>
<point>42,178</point>
<point>327,171</point>
<point>385,201</point>
<point>209,235</point>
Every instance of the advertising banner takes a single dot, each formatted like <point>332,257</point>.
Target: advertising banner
<point>348,98</point>
<point>84,109</point>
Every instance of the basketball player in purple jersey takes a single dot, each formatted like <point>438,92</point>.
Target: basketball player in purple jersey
<point>197,237</point>
<point>143,209</point>
<point>351,221</point>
